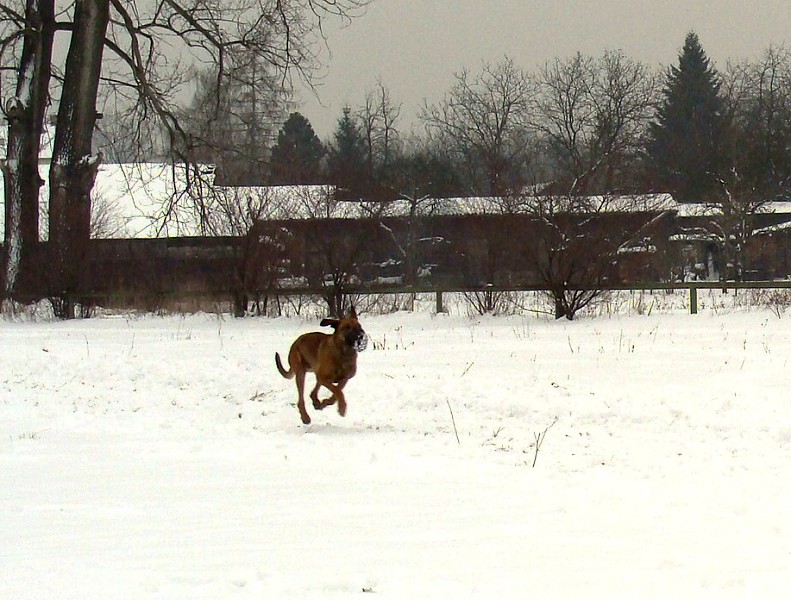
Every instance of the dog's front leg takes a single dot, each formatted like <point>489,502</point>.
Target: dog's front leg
<point>337,395</point>
<point>314,395</point>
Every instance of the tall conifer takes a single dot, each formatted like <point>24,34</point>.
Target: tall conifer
<point>347,160</point>
<point>687,138</point>
<point>296,157</point>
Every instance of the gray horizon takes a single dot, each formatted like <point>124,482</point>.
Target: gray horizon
<point>415,48</point>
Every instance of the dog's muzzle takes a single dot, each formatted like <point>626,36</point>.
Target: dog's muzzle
<point>361,342</point>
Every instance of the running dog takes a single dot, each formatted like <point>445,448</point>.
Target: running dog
<point>332,357</point>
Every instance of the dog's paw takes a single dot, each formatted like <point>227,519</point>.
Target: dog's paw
<point>342,409</point>
<point>306,419</point>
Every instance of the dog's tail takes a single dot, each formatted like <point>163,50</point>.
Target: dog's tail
<point>287,374</point>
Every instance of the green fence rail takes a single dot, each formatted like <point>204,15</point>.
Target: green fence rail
<point>439,291</point>
<point>692,287</point>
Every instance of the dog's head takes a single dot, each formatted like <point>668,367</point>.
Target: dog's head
<point>349,330</point>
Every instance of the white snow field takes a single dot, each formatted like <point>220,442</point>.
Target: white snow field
<point>163,457</point>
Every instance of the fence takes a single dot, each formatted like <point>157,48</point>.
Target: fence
<point>691,286</point>
<point>219,296</point>
<point>694,286</point>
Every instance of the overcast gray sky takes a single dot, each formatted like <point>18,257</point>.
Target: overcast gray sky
<point>415,46</point>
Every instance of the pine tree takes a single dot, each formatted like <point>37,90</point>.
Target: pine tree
<point>348,164</point>
<point>686,143</point>
<point>296,157</point>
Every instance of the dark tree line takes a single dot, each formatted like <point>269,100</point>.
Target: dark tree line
<point>576,127</point>
<point>589,125</point>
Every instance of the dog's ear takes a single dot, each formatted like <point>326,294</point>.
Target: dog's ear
<point>353,313</point>
<point>330,323</point>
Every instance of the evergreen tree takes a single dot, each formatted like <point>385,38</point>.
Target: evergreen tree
<point>296,157</point>
<point>686,143</point>
<point>348,166</point>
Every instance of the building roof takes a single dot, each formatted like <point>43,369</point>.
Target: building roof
<point>144,200</point>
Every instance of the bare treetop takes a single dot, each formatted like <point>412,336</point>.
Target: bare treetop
<point>163,43</point>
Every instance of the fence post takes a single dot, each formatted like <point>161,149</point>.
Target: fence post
<point>440,308</point>
<point>693,300</point>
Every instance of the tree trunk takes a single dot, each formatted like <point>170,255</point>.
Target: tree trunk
<point>73,169</point>
<point>25,113</point>
<point>560,309</point>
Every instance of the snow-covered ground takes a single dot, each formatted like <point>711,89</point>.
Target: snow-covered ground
<point>163,457</point>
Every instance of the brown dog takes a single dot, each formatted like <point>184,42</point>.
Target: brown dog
<point>332,357</point>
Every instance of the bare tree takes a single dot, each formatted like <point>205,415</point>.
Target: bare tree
<point>153,48</point>
<point>592,114</point>
<point>484,120</point>
<point>378,117</point>
<point>260,247</point>
<point>233,128</point>
<point>758,100</point>
<point>25,114</point>
<point>757,105</point>
<point>74,166</point>
<point>404,222</point>
<point>337,241</point>
<point>105,221</point>
<point>579,241</point>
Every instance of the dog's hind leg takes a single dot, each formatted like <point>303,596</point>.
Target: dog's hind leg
<point>301,402</point>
